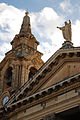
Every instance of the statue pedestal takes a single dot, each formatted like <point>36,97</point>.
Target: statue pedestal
<point>67,45</point>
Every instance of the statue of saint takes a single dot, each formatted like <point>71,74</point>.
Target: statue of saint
<point>25,27</point>
<point>66,31</point>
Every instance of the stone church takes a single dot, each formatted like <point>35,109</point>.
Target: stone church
<point>33,90</point>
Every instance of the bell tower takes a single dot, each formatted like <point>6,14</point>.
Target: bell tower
<point>22,61</point>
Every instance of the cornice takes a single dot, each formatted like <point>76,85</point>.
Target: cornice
<point>44,95</point>
<point>47,67</point>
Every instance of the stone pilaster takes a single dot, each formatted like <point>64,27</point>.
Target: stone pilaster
<point>13,79</point>
<point>26,74</point>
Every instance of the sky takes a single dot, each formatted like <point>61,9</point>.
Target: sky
<point>45,16</point>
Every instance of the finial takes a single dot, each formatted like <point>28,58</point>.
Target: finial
<point>25,27</point>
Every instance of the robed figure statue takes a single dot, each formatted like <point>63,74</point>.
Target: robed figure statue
<point>67,31</point>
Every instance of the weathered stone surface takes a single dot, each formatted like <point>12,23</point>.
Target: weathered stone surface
<point>15,67</point>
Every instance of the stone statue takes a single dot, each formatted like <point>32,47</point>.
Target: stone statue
<point>66,31</point>
<point>25,27</point>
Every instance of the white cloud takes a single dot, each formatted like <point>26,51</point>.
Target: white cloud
<point>76,33</point>
<point>45,20</point>
<point>5,47</point>
<point>1,57</point>
<point>10,22</point>
<point>66,6</point>
<point>43,25</point>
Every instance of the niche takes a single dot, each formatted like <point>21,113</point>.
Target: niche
<point>8,77</point>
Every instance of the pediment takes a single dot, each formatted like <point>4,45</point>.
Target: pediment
<point>62,65</point>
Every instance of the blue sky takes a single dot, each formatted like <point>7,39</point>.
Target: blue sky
<point>45,16</point>
<point>37,5</point>
<point>32,5</point>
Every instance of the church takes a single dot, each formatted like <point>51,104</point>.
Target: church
<point>33,90</point>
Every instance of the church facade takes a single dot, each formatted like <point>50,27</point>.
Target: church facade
<point>33,90</point>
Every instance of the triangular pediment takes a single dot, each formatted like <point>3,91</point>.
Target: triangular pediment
<point>62,65</point>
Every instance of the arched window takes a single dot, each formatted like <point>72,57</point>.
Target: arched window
<point>8,77</point>
<point>32,72</point>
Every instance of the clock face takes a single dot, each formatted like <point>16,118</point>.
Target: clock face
<point>5,100</point>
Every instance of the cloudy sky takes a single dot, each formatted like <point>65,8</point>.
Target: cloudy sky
<point>45,16</point>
